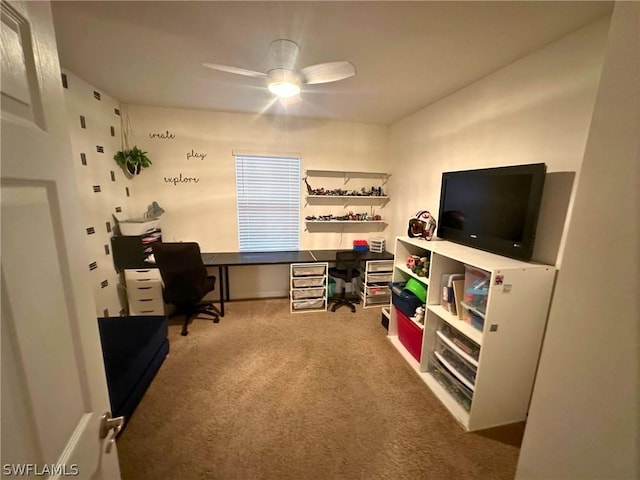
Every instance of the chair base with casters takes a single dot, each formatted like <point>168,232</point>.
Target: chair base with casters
<point>344,300</point>
<point>346,269</point>
<point>193,311</point>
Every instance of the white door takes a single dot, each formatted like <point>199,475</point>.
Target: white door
<point>53,383</point>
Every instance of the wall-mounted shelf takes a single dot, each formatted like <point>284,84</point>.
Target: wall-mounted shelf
<point>334,195</point>
<point>352,226</point>
<point>343,221</point>
<point>345,200</point>
<point>351,197</point>
<point>346,174</point>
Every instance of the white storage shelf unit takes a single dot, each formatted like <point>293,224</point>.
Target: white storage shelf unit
<point>483,377</point>
<point>308,289</point>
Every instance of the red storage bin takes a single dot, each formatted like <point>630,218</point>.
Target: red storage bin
<point>409,334</point>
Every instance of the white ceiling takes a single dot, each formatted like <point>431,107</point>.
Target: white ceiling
<point>407,54</point>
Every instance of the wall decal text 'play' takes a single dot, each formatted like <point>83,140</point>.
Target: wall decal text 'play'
<point>194,154</point>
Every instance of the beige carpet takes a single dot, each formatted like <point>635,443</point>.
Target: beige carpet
<point>266,394</point>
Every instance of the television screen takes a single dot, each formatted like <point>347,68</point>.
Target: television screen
<point>493,209</point>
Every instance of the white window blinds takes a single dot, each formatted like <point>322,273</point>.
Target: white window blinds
<point>268,192</point>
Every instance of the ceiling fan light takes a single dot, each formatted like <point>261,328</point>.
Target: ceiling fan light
<point>284,89</point>
<point>284,83</point>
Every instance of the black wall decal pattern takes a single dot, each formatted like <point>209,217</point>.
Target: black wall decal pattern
<point>88,105</point>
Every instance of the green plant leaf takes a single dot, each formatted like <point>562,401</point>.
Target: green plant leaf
<point>133,157</point>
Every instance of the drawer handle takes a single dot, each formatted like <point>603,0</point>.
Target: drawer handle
<point>147,299</point>
<point>145,288</point>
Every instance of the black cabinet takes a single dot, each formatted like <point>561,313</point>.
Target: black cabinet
<point>132,251</point>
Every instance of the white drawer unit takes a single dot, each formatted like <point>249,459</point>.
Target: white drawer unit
<point>308,287</point>
<point>374,283</point>
<point>144,291</point>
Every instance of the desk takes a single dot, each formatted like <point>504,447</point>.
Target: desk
<point>224,260</point>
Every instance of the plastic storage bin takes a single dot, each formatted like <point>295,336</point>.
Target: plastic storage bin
<point>404,300</point>
<point>379,277</point>
<point>307,293</point>
<point>377,245</point>
<point>462,394</point>
<point>410,335</point>
<point>315,303</point>
<point>378,290</point>
<point>476,288</point>
<point>461,368</point>
<point>379,266</point>
<point>308,270</point>
<point>308,282</point>
<point>459,340</point>
<point>472,316</point>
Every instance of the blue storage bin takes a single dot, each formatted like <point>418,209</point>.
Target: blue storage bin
<point>404,300</point>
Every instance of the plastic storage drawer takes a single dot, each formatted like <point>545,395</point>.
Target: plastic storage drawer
<point>458,391</point>
<point>462,369</point>
<point>315,303</point>
<point>385,266</point>
<point>373,291</point>
<point>379,277</point>
<point>410,335</point>
<point>472,316</point>
<point>308,270</point>
<point>307,293</point>
<point>308,282</point>
<point>459,340</point>
<point>476,288</point>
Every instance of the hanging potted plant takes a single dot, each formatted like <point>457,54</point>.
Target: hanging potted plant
<point>132,160</point>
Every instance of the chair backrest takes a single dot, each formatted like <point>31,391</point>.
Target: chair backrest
<point>348,261</point>
<point>182,270</point>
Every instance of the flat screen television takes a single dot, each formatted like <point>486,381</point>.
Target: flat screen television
<point>493,209</point>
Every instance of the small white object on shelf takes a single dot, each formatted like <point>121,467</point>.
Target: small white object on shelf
<point>133,227</point>
<point>377,245</point>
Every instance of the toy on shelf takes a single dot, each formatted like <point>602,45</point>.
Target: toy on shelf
<point>418,265</point>
<point>357,217</point>
<point>422,225</point>
<point>418,317</point>
<point>341,192</point>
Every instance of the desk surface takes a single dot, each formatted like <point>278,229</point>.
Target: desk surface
<point>272,258</point>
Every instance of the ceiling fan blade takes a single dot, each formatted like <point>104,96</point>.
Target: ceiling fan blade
<point>327,72</point>
<point>236,70</point>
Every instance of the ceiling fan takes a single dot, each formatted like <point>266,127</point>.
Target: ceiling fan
<point>282,77</point>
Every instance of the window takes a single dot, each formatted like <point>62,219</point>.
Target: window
<point>268,191</point>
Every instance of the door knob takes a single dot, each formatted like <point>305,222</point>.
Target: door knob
<point>107,422</point>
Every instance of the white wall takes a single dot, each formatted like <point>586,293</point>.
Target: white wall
<point>102,185</point>
<point>584,420</point>
<point>205,211</point>
<point>537,109</point>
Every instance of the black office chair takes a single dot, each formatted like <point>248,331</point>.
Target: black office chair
<point>346,269</point>
<point>185,280</point>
